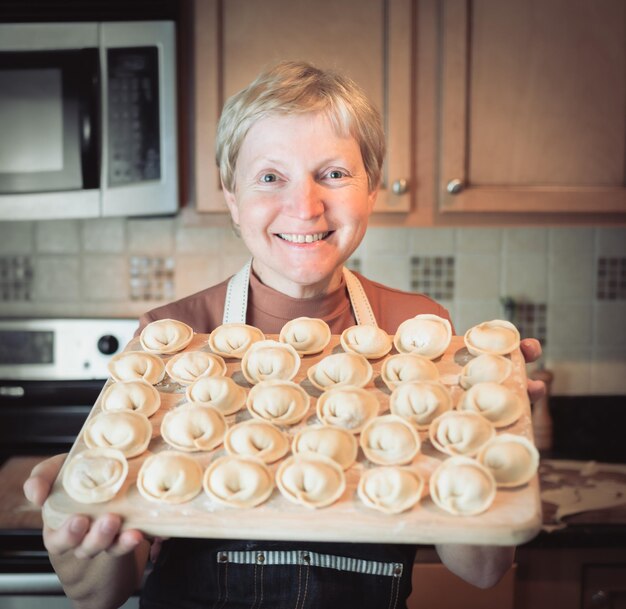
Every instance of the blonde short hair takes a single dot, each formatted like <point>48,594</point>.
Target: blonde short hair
<point>298,87</point>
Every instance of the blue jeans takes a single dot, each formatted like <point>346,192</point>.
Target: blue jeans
<point>228,574</point>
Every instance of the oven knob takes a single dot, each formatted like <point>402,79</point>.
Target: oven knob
<point>108,344</point>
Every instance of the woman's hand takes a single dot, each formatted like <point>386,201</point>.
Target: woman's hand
<point>531,350</point>
<point>78,534</point>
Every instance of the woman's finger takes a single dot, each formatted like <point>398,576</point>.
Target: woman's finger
<point>536,390</point>
<point>101,536</point>
<point>531,349</point>
<point>37,486</point>
<point>68,536</point>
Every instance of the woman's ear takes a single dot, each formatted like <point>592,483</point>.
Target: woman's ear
<point>371,199</point>
<point>231,202</point>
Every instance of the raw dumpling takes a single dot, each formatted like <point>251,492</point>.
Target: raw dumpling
<point>369,341</point>
<point>270,360</point>
<point>137,365</point>
<point>348,407</point>
<point>280,402</point>
<point>420,401</point>
<point>307,335</point>
<point>233,340</point>
<point>220,392</point>
<point>486,368</point>
<point>497,403</point>
<point>340,369</point>
<point>426,334</point>
<point>257,439</point>
<point>136,396</point>
<point>390,489</point>
<point>310,480</point>
<point>125,430</point>
<point>192,427</point>
<point>407,367</point>
<point>390,440</point>
<point>497,337</point>
<point>95,475</point>
<point>238,481</point>
<point>462,486</point>
<point>185,368</point>
<point>165,336</point>
<point>513,460</point>
<point>170,477</point>
<point>338,444</point>
<point>460,432</point>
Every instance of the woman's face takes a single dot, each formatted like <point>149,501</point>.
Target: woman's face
<point>301,201</point>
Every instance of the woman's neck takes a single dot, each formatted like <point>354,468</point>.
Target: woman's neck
<point>297,290</point>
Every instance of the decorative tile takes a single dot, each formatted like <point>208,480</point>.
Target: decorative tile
<point>16,238</point>
<point>150,237</point>
<point>525,277</point>
<point>477,277</point>
<point>105,277</point>
<point>433,275</point>
<point>611,279</point>
<point>388,269</point>
<point>479,240</point>
<point>57,279</point>
<point>529,318</point>
<point>152,278</point>
<point>570,277</point>
<point>526,240</point>
<point>57,237</point>
<point>104,235</point>
<point>432,241</point>
<point>611,241</point>
<point>16,278</point>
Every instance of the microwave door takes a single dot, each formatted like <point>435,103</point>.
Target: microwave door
<point>49,120</point>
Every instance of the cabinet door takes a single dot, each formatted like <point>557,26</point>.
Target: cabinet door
<point>533,106</point>
<point>369,40</point>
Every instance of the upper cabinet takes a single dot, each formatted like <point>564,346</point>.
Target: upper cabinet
<point>532,106</point>
<point>369,40</point>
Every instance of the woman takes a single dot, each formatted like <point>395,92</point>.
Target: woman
<point>300,153</point>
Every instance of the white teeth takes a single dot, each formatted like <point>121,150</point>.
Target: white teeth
<point>302,238</point>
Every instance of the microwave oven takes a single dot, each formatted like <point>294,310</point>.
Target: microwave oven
<point>87,120</point>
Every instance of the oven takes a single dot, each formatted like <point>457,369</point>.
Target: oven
<point>51,372</point>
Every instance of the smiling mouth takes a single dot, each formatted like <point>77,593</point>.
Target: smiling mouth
<point>299,238</point>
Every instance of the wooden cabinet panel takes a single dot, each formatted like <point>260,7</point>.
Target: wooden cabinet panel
<point>533,106</point>
<point>370,40</point>
<point>435,587</point>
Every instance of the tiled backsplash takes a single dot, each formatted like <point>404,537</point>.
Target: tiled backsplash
<point>566,286</point>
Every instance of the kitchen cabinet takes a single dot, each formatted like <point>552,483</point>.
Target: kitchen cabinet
<point>576,578</point>
<point>435,587</point>
<point>369,40</point>
<point>532,107</point>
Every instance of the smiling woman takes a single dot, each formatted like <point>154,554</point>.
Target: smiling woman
<point>300,152</point>
<point>301,201</point>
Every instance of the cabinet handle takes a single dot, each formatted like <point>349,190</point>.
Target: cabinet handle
<point>454,186</point>
<point>400,187</point>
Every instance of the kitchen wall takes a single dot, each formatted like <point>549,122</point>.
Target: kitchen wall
<point>566,286</point>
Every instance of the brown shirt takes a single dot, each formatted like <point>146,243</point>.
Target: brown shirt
<point>269,309</point>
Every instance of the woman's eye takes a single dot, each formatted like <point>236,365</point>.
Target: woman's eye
<point>335,174</point>
<point>269,177</point>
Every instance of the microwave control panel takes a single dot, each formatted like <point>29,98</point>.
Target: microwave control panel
<point>133,115</point>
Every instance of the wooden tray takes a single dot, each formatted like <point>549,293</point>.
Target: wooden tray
<point>514,517</point>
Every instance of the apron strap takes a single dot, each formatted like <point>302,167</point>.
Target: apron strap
<point>236,302</point>
<point>360,304</point>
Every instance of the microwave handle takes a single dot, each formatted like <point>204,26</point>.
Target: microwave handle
<point>88,129</point>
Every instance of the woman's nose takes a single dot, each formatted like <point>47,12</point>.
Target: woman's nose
<point>306,200</point>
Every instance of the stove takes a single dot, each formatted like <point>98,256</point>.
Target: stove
<point>51,373</point>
